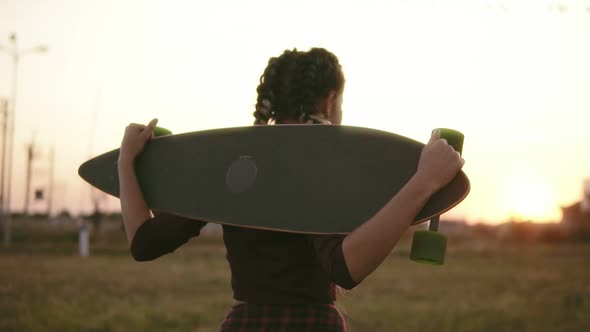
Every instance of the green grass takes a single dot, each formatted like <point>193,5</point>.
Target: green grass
<point>483,286</point>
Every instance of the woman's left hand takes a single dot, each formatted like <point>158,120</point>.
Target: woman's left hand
<point>136,135</point>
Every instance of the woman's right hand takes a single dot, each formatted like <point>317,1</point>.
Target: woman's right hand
<point>136,135</point>
<point>439,163</point>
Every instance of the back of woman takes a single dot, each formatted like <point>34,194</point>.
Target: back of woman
<point>282,281</point>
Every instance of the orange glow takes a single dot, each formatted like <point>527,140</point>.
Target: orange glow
<point>530,198</point>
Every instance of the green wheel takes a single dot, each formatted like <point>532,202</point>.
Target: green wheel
<point>159,131</point>
<point>454,138</point>
<point>429,247</point>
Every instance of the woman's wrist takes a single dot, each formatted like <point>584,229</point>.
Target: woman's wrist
<point>423,185</point>
<point>125,162</point>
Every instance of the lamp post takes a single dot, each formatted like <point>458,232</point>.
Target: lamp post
<point>16,54</point>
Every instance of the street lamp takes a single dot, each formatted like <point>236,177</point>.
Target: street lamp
<point>16,54</point>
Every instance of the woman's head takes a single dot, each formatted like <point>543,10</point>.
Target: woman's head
<point>301,87</point>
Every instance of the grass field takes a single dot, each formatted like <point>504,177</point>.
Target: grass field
<point>484,286</point>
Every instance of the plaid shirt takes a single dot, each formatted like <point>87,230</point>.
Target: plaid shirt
<point>247,317</point>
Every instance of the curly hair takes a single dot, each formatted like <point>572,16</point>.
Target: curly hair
<point>293,84</point>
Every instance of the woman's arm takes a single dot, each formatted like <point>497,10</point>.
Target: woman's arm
<point>149,237</point>
<point>162,235</point>
<point>366,247</point>
<point>133,206</point>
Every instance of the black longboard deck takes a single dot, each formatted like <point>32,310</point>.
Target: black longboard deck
<point>296,178</point>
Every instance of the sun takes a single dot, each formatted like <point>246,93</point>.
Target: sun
<point>531,199</point>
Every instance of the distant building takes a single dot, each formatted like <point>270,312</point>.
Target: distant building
<point>577,216</point>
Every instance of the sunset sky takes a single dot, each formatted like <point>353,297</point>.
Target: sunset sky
<point>513,76</point>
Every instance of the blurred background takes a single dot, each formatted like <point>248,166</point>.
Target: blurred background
<point>513,76</point>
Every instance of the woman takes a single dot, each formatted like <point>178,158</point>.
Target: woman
<point>284,281</point>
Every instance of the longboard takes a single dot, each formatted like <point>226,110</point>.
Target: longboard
<point>316,179</point>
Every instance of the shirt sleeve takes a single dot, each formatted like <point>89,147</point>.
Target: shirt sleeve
<point>163,234</point>
<point>328,249</point>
